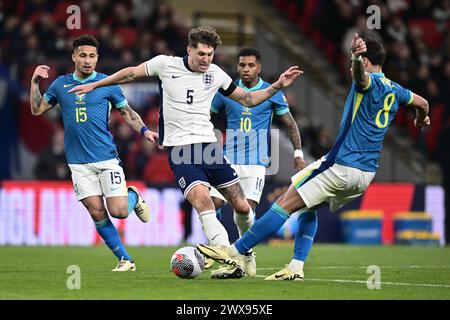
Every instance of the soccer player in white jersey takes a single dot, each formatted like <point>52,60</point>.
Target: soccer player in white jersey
<point>188,86</point>
<point>248,134</point>
<point>347,170</point>
<point>89,146</point>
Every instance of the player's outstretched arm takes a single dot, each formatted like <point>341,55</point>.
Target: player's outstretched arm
<point>251,99</point>
<point>135,121</point>
<point>359,75</point>
<point>38,104</point>
<point>421,105</point>
<point>123,76</point>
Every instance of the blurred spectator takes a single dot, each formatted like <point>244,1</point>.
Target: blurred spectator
<point>321,142</point>
<point>123,135</point>
<point>10,94</point>
<point>52,163</point>
<point>152,165</point>
<point>416,37</point>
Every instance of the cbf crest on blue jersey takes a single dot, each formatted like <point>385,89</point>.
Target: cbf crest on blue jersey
<point>208,79</point>
<point>86,118</point>
<point>80,98</point>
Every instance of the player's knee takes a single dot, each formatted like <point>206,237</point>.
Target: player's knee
<point>119,212</point>
<point>243,208</point>
<point>253,204</point>
<point>202,201</point>
<point>97,214</point>
<point>218,203</point>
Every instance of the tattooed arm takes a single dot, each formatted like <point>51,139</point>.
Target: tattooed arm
<point>135,121</point>
<point>122,76</point>
<point>251,99</point>
<point>294,135</point>
<point>132,118</point>
<point>37,103</point>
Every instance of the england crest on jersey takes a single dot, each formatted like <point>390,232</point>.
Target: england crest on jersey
<point>208,79</point>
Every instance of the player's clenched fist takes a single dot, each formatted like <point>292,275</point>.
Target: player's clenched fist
<point>358,45</point>
<point>39,73</point>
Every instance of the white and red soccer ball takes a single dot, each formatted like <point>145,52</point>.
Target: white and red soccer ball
<point>187,262</point>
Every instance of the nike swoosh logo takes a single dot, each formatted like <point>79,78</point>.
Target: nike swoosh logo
<point>279,276</point>
<point>215,236</point>
<point>174,76</point>
<point>67,85</point>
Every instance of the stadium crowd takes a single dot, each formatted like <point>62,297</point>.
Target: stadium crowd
<point>416,36</point>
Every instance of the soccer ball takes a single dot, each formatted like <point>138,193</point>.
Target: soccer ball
<point>187,262</point>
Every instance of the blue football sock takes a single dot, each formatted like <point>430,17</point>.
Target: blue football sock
<point>219,214</point>
<point>109,234</point>
<point>307,228</point>
<point>132,200</point>
<point>262,229</point>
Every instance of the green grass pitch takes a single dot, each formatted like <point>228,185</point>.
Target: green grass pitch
<point>332,272</point>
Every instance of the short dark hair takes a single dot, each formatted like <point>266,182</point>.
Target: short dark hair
<point>375,51</point>
<point>204,34</point>
<point>249,51</point>
<point>85,40</point>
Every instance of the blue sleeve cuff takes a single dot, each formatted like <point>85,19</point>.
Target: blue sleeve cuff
<point>122,104</point>
<point>46,98</point>
<point>411,98</point>
<point>280,112</point>
<point>215,110</point>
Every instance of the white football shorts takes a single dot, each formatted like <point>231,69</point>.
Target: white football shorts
<point>104,178</point>
<point>336,184</point>
<point>252,178</point>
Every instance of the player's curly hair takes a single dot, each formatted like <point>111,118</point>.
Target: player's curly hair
<point>205,35</point>
<point>249,51</point>
<point>375,50</point>
<point>85,40</point>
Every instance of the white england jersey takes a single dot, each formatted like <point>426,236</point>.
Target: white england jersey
<point>186,97</point>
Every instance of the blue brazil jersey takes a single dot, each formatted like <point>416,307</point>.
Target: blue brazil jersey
<point>366,118</point>
<point>248,129</point>
<point>86,117</point>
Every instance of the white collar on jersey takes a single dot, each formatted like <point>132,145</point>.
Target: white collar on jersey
<point>91,77</point>
<point>256,87</point>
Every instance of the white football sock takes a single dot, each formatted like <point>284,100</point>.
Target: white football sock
<point>296,265</point>
<point>243,221</point>
<point>213,229</point>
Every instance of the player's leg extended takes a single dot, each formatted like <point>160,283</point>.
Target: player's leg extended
<point>261,230</point>
<point>200,199</point>
<point>307,228</point>
<point>304,237</point>
<point>243,214</point>
<point>271,221</point>
<point>106,229</point>
<point>243,217</point>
